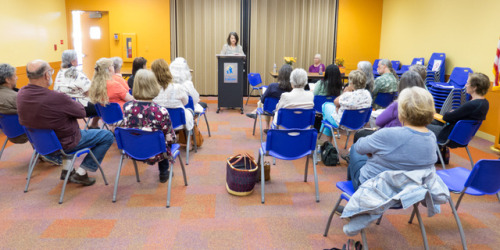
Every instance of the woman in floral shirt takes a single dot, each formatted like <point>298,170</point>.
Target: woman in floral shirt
<point>147,115</point>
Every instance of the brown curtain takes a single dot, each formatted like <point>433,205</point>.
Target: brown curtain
<point>295,28</point>
<point>202,28</point>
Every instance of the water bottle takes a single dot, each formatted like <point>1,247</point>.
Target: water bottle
<point>320,70</point>
<point>274,69</point>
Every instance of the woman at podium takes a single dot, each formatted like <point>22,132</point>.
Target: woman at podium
<point>232,47</point>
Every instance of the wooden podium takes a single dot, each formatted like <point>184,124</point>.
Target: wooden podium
<point>231,75</point>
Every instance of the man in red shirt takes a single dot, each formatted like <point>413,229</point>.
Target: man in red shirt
<point>42,108</point>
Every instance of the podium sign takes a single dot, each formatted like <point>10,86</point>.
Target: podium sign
<point>230,81</point>
<point>230,73</point>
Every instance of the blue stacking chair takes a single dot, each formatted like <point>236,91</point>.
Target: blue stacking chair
<point>190,105</point>
<point>395,65</point>
<point>352,120</point>
<point>178,118</point>
<point>110,114</point>
<point>131,143</point>
<point>458,78</point>
<point>10,127</point>
<point>46,142</point>
<point>295,119</point>
<point>481,180</point>
<point>441,91</point>
<point>319,100</point>
<point>375,66</point>
<point>404,68</point>
<point>460,136</point>
<point>438,75</point>
<point>290,144</point>
<point>384,99</point>
<point>254,79</point>
<point>267,109</point>
<point>348,190</point>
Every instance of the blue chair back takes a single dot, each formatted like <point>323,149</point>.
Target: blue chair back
<point>395,65</point>
<point>375,64</point>
<point>418,60</point>
<point>190,104</point>
<point>296,118</point>
<point>459,76</point>
<point>132,141</point>
<point>438,56</point>
<point>270,104</point>
<point>254,79</point>
<point>484,177</point>
<point>10,125</point>
<point>291,144</point>
<point>463,131</point>
<point>356,118</point>
<point>384,99</point>
<point>319,100</point>
<point>111,113</point>
<point>44,141</point>
<point>177,116</point>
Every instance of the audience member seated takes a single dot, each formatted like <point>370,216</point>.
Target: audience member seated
<point>366,67</point>
<point>137,64</point>
<point>104,89</point>
<point>314,68</point>
<point>42,108</point>
<point>73,82</point>
<point>421,70</point>
<point>298,98</point>
<point>387,82</point>
<point>117,76</point>
<point>355,96</point>
<point>182,75</point>
<point>275,90</point>
<point>476,109</point>
<point>8,96</point>
<point>171,95</point>
<point>331,85</point>
<point>410,147</point>
<point>143,113</point>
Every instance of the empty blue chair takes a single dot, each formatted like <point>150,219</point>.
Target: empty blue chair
<point>131,142</point>
<point>436,75</point>
<point>190,105</point>
<point>352,120</point>
<point>404,68</point>
<point>384,99</point>
<point>458,78</point>
<point>295,118</point>
<point>290,144</point>
<point>267,109</point>
<point>319,100</point>
<point>178,118</point>
<point>46,142</point>
<point>10,127</point>
<point>254,80</point>
<point>481,180</point>
<point>460,136</point>
<point>395,65</point>
<point>375,66</point>
<point>110,114</point>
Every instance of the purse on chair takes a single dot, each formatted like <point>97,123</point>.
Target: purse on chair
<point>241,173</point>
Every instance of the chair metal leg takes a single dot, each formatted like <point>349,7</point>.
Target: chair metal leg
<point>363,238</point>
<point>188,144</point>
<point>315,177</point>
<point>460,198</point>
<point>169,185</point>
<point>262,176</point>
<point>260,124</point>
<point>470,157</point>
<point>118,177</point>
<point>30,171</point>
<point>66,179</point>
<point>441,158</point>
<point>194,141</point>
<point>347,140</point>
<point>459,224</point>
<point>255,123</point>
<point>422,228</point>
<point>31,162</point>
<point>183,171</point>
<point>379,219</point>
<point>321,132</point>
<point>331,216</point>
<point>136,171</point>
<point>3,147</point>
<point>336,147</point>
<point>412,216</point>
<point>307,166</point>
<point>274,161</point>
<point>208,126</point>
<point>248,97</point>
<point>98,165</point>
<point>498,196</point>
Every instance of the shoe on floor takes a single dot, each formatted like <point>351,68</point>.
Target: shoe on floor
<point>164,177</point>
<point>252,115</point>
<point>56,160</point>
<point>346,157</point>
<point>265,131</point>
<point>64,172</point>
<point>82,179</point>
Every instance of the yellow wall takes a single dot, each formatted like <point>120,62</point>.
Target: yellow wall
<point>30,28</point>
<point>148,19</point>
<point>358,37</point>
<point>467,31</point>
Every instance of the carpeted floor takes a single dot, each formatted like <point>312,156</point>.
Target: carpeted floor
<point>203,215</point>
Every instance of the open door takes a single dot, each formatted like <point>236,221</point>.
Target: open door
<point>95,39</point>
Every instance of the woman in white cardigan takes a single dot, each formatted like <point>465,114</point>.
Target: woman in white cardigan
<point>171,95</point>
<point>182,75</point>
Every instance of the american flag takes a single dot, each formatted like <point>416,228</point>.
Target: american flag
<point>496,68</point>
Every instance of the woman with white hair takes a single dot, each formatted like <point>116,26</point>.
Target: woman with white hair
<point>182,75</point>
<point>74,83</point>
<point>117,76</point>
<point>314,68</point>
<point>298,98</point>
<point>366,67</point>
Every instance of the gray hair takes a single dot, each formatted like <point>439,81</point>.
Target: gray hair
<point>388,64</point>
<point>117,63</point>
<point>367,68</point>
<point>40,72</point>
<point>318,56</point>
<point>6,71</point>
<point>180,70</point>
<point>420,69</point>
<point>67,57</point>
<point>410,79</point>
<point>298,78</point>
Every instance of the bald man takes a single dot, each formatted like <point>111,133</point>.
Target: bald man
<point>42,108</point>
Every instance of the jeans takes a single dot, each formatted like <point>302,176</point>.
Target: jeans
<point>328,109</point>
<point>99,141</point>
<point>163,167</point>
<point>356,162</point>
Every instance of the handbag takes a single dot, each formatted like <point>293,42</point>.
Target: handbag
<point>267,172</point>
<point>241,173</point>
<point>329,154</point>
<point>183,138</point>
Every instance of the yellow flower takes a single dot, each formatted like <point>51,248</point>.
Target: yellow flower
<point>290,60</point>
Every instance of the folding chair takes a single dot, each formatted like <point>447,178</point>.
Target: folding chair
<point>10,127</point>
<point>254,80</point>
<point>319,100</point>
<point>460,136</point>
<point>384,99</point>
<point>110,114</point>
<point>267,109</point>
<point>481,180</point>
<point>348,190</point>
<point>131,143</point>
<point>46,142</point>
<point>190,105</point>
<point>294,119</point>
<point>178,118</point>
<point>352,120</point>
<point>290,144</point>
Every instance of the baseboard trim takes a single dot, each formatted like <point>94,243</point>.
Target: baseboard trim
<point>486,136</point>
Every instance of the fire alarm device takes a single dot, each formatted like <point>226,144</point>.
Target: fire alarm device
<point>116,36</point>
